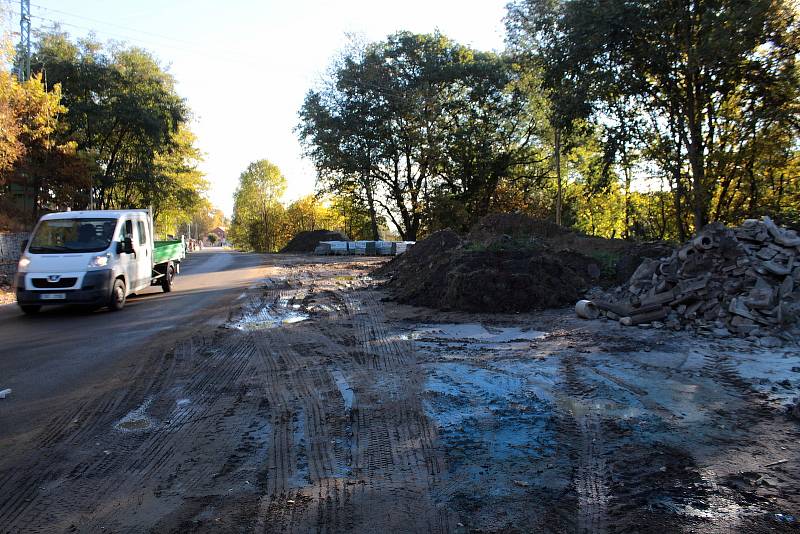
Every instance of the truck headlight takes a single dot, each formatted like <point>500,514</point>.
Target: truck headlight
<point>22,266</point>
<point>99,261</point>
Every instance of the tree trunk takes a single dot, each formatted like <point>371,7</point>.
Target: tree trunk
<point>627,235</point>
<point>678,197</point>
<point>373,216</point>
<point>559,195</point>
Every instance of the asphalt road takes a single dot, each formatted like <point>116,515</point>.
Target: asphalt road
<point>50,358</point>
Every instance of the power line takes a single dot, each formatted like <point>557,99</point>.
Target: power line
<point>234,56</point>
<point>112,25</point>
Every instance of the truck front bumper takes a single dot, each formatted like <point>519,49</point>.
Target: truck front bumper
<point>95,290</point>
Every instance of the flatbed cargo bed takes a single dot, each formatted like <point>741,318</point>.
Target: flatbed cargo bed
<point>164,251</point>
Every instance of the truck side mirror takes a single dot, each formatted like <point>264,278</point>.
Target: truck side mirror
<point>125,246</point>
<point>23,245</point>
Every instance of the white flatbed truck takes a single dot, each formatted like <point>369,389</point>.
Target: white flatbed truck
<point>94,258</point>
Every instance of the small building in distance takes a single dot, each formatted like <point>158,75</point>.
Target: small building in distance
<point>220,233</point>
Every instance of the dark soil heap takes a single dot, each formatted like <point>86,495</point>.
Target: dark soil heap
<point>307,241</point>
<point>507,263</point>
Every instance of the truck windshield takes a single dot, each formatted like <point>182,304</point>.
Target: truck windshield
<point>72,235</point>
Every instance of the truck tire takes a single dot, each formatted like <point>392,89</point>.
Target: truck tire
<point>30,309</point>
<point>169,276</point>
<point>117,300</point>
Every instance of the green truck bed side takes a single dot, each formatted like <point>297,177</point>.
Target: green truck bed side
<point>164,251</point>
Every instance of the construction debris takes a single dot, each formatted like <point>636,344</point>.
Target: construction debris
<point>586,309</point>
<point>743,281</point>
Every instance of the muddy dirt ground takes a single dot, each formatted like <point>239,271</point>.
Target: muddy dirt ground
<point>319,406</point>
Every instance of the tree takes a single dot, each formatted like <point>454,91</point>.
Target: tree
<point>257,210</point>
<point>122,109</point>
<point>177,187</point>
<point>701,75</point>
<point>42,170</point>
<point>413,117</point>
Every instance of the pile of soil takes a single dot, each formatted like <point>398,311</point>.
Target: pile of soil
<point>308,241</point>
<point>515,225</point>
<point>508,263</point>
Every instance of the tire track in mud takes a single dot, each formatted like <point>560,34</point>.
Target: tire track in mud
<point>593,493</point>
<point>590,470</point>
<point>365,462</point>
<point>396,441</point>
<point>302,464</point>
<point>721,369</point>
<point>134,460</point>
<point>87,421</point>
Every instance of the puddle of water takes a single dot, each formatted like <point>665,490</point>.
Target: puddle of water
<point>768,371</point>
<point>344,389</point>
<point>486,417</point>
<point>689,401</point>
<point>136,420</point>
<point>715,508</point>
<point>272,315</point>
<point>539,375</point>
<point>473,332</point>
<point>134,425</point>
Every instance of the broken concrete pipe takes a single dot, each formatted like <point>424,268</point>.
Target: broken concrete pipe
<point>703,242</point>
<point>685,253</point>
<point>586,309</point>
<point>743,280</point>
<point>647,317</point>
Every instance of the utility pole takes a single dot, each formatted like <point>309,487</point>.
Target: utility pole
<point>24,40</point>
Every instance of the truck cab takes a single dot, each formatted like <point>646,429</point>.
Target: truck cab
<point>96,258</point>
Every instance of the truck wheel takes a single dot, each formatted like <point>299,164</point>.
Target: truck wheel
<point>30,309</point>
<point>169,276</point>
<point>117,301</point>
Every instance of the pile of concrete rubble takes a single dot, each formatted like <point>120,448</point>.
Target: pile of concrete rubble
<point>743,281</point>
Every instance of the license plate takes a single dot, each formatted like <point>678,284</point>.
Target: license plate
<point>53,296</point>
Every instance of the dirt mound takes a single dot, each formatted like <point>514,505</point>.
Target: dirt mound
<point>504,275</point>
<point>617,258</point>
<point>510,262</point>
<point>423,255</point>
<point>513,225</point>
<point>510,280</point>
<point>307,241</point>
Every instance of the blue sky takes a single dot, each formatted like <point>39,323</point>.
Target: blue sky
<point>244,66</point>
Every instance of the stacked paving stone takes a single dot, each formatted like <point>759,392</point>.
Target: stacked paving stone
<point>743,281</point>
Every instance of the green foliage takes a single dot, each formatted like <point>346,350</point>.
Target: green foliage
<point>263,222</point>
<point>703,94</point>
<point>36,167</point>
<point>122,109</point>
<point>257,210</point>
<point>109,132</point>
<point>417,119</point>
